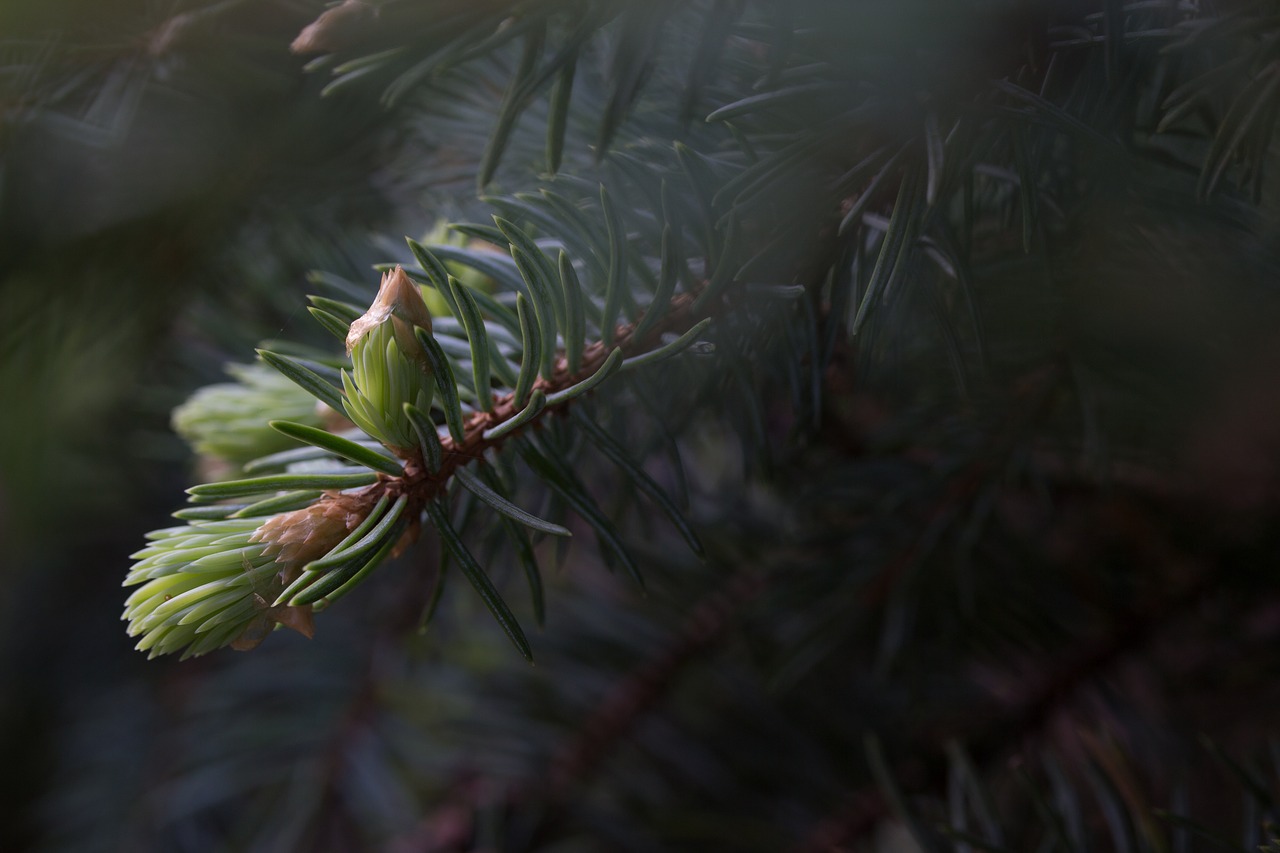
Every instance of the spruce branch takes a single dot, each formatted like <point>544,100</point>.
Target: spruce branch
<point>967,184</point>
<point>641,689</point>
<point>999,731</point>
<point>343,523</point>
<point>482,431</point>
<point>573,762</point>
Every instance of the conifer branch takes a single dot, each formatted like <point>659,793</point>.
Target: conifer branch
<point>645,686</point>
<point>913,203</point>
<point>636,693</point>
<point>422,483</point>
<point>997,731</point>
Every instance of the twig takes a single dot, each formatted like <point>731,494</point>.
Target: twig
<point>644,687</point>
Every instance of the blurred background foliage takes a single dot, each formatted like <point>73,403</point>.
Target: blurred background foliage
<point>167,176</point>
<point>976,586</point>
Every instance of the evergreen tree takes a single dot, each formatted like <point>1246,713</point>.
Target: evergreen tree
<point>861,414</point>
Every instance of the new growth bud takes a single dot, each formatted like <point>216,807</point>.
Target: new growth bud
<point>228,421</point>
<point>296,538</point>
<point>399,301</point>
<point>210,584</point>
<point>389,366</point>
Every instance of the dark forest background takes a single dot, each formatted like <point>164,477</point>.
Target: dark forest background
<point>995,572</point>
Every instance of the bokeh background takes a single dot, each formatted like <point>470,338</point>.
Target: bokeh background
<point>920,563</point>
<point>168,175</point>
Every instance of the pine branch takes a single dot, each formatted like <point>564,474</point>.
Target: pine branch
<point>1004,729</point>
<point>548,790</point>
<point>323,532</point>
<point>900,223</point>
<point>423,484</point>
<point>641,689</point>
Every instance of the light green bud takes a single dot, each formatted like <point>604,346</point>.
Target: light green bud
<point>389,366</point>
<point>229,420</point>
<point>209,584</point>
